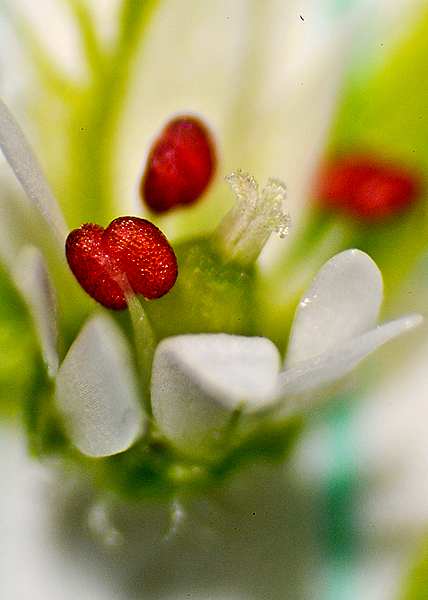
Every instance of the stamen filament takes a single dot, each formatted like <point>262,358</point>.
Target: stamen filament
<point>144,337</point>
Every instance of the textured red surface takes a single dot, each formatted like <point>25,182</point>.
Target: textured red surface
<point>367,189</point>
<point>180,165</point>
<point>132,247</point>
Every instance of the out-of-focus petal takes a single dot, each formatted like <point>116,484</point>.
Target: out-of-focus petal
<point>32,279</point>
<point>342,301</point>
<point>199,381</point>
<point>324,369</point>
<point>96,391</point>
<point>28,171</point>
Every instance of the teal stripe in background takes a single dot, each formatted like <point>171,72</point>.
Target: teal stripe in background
<point>337,499</point>
<point>342,6</point>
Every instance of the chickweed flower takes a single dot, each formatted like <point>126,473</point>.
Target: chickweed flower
<point>173,354</point>
<point>210,394</point>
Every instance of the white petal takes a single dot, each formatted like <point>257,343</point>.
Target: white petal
<point>96,392</point>
<point>32,279</point>
<point>342,301</point>
<point>324,369</point>
<point>199,380</point>
<point>28,171</point>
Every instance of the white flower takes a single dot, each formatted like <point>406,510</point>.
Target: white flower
<point>285,60</point>
<point>199,381</point>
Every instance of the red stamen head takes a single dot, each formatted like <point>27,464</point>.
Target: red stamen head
<point>143,253</point>
<point>180,165</point>
<point>367,189</point>
<point>92,267</point>
<point>132,247</point>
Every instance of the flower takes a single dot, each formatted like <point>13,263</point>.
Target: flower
<point>250,426</point>
<point>201,383</point>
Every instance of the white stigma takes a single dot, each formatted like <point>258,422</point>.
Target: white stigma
<point>246,228</point>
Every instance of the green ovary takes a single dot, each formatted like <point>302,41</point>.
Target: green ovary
<point>210,295</point>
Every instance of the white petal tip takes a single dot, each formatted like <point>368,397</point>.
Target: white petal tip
<point>199,381</point>
<point>341,302</point>
<point>236,370</point>
<point>96,393</point>
<point>413,321</point>
<point>321,370</point>
<point>28,171</point>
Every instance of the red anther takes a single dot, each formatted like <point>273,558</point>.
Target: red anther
<point>180,165</point>
<point>366,188</point>
<point>144,254</point>
<point>99,258</point>
<point>92,267</point>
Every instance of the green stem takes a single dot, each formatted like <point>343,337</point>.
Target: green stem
<point>88,32</point>
<point>94,125</point>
